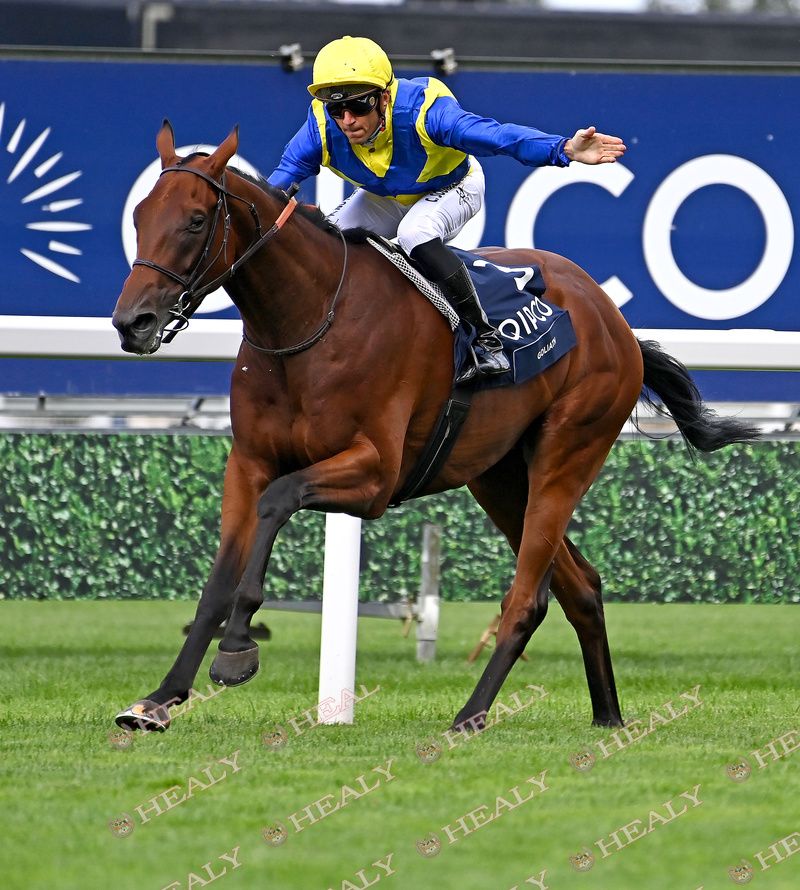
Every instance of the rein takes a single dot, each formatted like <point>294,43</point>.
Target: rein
<point>192,295</point>
<point>321,330</point>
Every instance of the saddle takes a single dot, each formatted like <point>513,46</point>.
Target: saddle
<point>535,334</point>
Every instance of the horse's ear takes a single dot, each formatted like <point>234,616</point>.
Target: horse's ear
<point>227,149</point>
<point>165,143</point>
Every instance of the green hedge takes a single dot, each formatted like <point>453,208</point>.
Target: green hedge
<point>137,517</point>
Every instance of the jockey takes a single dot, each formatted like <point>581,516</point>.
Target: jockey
<point>409,148</point>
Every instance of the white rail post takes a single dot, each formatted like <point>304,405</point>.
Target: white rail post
<point>337,651</point>
<point>428,599</point>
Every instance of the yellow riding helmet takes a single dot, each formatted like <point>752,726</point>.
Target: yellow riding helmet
<point>351,60</point>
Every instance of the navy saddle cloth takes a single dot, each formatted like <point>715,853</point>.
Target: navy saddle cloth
<point>535,333</point>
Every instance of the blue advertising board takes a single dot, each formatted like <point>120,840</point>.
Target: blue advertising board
<point>693,229</point>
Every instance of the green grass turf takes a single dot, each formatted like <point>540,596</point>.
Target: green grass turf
<point>67,667</point>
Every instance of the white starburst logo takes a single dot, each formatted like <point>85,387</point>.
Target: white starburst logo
<point>31,158</point>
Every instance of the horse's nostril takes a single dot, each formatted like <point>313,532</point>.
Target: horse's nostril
<point>143,323</point>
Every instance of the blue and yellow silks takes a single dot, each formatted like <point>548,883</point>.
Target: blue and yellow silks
<point>424,147</point>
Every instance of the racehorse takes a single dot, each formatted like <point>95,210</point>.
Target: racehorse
<point>330,411</point>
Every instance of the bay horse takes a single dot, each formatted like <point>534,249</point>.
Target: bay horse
<point>341,375</point>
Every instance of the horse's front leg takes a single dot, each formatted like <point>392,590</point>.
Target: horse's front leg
<point>350,482</point>
<point>242,486</point>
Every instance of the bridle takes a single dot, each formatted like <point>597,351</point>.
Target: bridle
<point>193,291</point>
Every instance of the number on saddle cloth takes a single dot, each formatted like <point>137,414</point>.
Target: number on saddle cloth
<point>534,333</point>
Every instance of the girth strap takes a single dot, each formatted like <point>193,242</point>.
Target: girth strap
<point>443,438</point>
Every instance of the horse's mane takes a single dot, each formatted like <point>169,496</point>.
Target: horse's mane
<point>309,211</point>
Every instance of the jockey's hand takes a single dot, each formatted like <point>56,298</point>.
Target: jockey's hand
<point>590,147</point>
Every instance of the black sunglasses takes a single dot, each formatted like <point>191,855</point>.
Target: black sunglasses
<point>359,107</point>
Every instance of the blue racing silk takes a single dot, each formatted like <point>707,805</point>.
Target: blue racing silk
<point>424,146</point>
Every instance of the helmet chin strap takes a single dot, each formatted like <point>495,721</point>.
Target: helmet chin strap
<point>370,140</point>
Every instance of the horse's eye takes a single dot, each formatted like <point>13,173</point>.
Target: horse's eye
<point>197,223</point>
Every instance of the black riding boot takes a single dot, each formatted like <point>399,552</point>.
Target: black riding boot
<point>487,346</point>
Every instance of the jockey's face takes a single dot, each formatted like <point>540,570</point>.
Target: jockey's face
<point>359,128</point>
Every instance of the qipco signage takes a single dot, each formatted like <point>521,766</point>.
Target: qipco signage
<point>693,228</point>
<point>540,186</point>
<point>658,224</point>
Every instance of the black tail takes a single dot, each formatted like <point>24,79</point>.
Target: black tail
<point>700,427</point>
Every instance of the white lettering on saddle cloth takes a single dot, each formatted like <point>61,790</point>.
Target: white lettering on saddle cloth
<point>526,272</point>
<point>545,349</point>
<point>530,315</point>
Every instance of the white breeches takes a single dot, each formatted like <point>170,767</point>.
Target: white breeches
<point>440,214</point>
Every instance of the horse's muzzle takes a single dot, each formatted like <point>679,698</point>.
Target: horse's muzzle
<point>139,333</point>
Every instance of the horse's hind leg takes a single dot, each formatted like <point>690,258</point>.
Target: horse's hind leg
<point>563,460</point>
<point>576,586</point>
<point>502,493</point>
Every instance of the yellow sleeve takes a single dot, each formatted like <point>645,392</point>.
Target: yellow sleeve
<point>441,159</point>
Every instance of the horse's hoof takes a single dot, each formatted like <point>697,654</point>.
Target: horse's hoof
<point>145,715</point>
<point>234,668</point>
<point>469,724</point>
